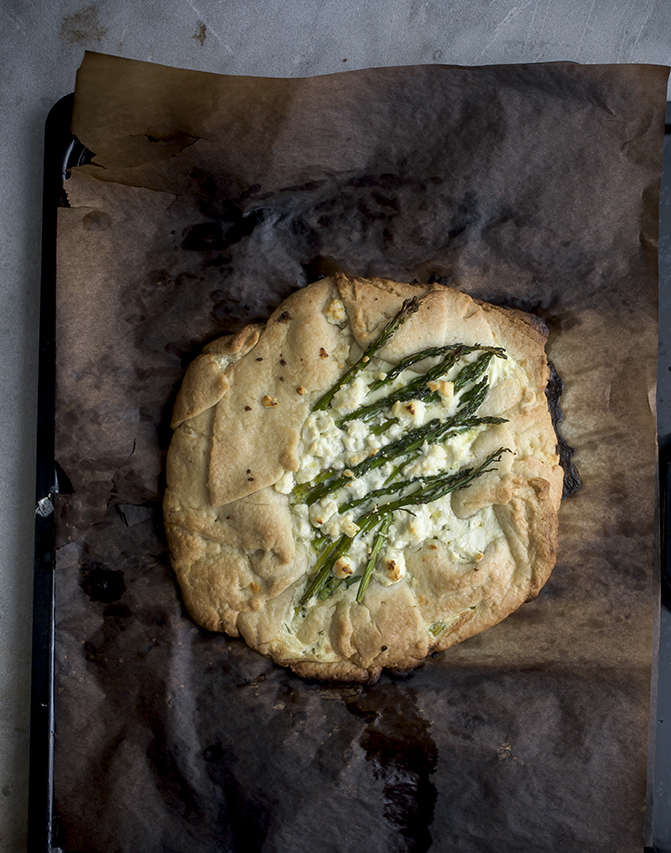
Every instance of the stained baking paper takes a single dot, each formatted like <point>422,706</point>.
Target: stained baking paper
<point>208,200</point>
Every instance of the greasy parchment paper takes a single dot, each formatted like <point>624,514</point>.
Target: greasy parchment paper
<point>209,199</point>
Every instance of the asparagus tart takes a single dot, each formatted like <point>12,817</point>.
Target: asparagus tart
<point>370,476</point>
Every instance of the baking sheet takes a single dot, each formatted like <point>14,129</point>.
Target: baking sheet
<point>533,186</point>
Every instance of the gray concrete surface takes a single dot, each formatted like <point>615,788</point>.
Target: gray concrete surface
<point>41,46</point>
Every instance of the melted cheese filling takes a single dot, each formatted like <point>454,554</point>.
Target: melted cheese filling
<point>327,446</point>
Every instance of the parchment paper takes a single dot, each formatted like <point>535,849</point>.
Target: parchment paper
<point>209,199</point>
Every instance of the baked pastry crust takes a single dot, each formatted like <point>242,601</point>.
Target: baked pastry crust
<point>238,421</point>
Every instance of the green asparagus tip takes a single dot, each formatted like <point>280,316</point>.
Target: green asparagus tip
<point>410,306</point>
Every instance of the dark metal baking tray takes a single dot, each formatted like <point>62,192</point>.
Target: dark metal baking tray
<point>63,152</point>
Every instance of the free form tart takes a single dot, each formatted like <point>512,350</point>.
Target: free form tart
<point>370,476</point>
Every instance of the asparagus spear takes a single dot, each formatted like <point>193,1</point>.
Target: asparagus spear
<point>383,427</point>
<point>329,587</point>
<point>433,491</point>
<point>473,371</point>
<point>324,566</point>
<point>414,390</point>
<point>382,516</point>
<point>407,444</point>
<point>326,562</point>
<point>380,536</point>
<point>400,485</point>
<point>418,388</point>
<point>430,352</point>
<point>333,583</point>
<point>410,306</point>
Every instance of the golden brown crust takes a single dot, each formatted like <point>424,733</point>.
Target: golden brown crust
<point>206,381</point>
<point>255,434</point>
<point>238,422</point>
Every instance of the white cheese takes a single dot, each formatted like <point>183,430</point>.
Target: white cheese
<point>358,430</point>
<point>444,388</point>
<point>410,412</point>
<point>390,567</point>
<point>321,511</point>
<point>321,446</point>
<point>332,527</point>
<point>324,445</point>
<point>343,567</point>
<point>433,460</point>
<point>302,524</point>
<point>222,360</point>
<point>350,397</point>
<point>285,484</point>
<point>348,527</point>
<point>309,469</point>
<point>336,312</point>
